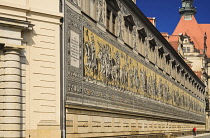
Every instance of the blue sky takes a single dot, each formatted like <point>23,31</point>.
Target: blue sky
<point>167,15</point>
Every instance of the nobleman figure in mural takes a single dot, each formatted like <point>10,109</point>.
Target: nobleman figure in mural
<point>149,86</point>
<point>154,85</point>
<point>92,64</point>
<point>124,73</point>
<point>136,77</point>
<point>160,89</point>
<point>115,62</point>
<point>107,65</point>
<point>101,58</point>
<point>131,76</point>
<point>143,79</point>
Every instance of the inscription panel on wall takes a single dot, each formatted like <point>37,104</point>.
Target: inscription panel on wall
<point>74,46</point>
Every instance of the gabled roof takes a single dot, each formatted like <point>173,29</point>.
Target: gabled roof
<point>174,41</point>
<point>195,31</point>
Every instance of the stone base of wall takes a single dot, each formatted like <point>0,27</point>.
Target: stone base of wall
<point>161,135</point>
<point>99,123</point>
<point>45,130</point>
<point>166,135</point>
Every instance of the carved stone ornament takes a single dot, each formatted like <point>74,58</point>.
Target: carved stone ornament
<point>120,26</point>
<point>76,2</point>
<point>135,38</point>
<point>101,11</point>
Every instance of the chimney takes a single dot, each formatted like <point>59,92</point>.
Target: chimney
<point>152,20</point>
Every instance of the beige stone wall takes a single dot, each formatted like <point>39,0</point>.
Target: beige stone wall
<point>39,67</point>
<point>89,123</point>
<point>44,77</point>
<point>196,62</point>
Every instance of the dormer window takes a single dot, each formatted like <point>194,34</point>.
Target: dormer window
<point>111,15</point>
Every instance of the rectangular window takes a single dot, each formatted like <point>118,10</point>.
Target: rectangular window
<point>126,34</point>
<point>130,42</point>
<point>92,9</point>
<point>184,49</point>
<point>113,23</point>
<point>89,7</point>
<point>188,17</point>
<point>112,12</point>
<point>108,19</point>
<point>188,49</point>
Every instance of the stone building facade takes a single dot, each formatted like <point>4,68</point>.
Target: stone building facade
<point>123,77</point>
<point>100,69</point>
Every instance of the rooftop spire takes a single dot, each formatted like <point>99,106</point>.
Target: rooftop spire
<point>187,8</point>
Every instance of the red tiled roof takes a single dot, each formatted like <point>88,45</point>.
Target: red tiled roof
<point>198,73</point>
<point>165,35</point>
<point>195,31</point>
<point>174,41</point>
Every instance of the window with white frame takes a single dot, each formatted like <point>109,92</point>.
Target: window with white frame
<point>186,49</point>
<point>89,8</point>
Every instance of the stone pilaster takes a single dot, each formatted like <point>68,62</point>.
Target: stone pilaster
<point>12,109</point>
